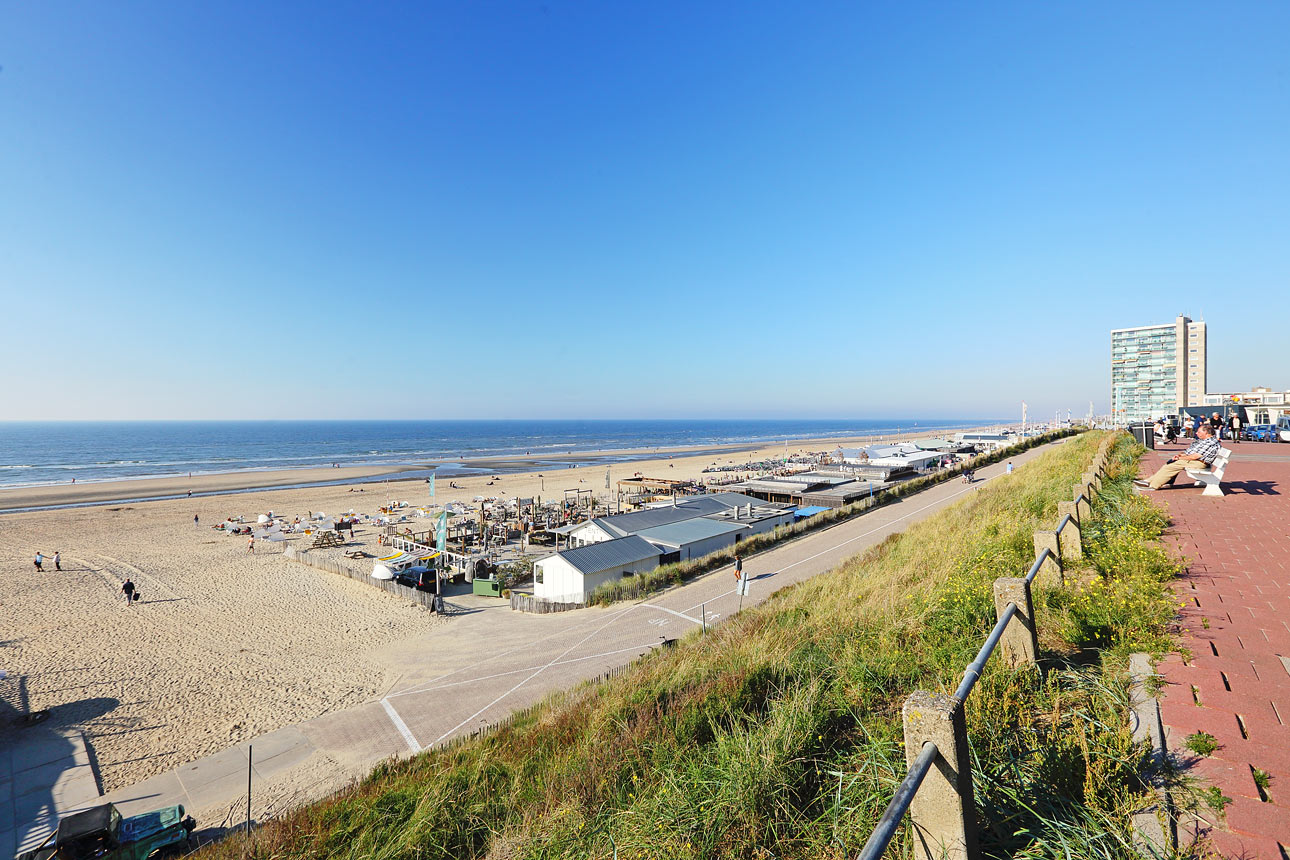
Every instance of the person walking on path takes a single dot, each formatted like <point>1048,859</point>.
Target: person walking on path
<point>1200,453</point>
<point>58,560</point>
<point>1234,423</point>
<point>195,521</point>
<point>1009,470</point>
<point>39,560</point>
<point>128,590</point>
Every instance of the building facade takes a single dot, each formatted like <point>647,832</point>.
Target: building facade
<point>1157,369</point>
<point>1256,406</point>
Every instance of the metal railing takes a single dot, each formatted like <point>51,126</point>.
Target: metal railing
<point>949,832</point>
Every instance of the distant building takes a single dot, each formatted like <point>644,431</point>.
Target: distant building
<point>1258,405</point>
<point>1157,369</point>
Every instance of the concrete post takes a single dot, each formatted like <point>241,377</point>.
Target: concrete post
<point>1068,509</point>
<point>1053,564</point>
<point>1082,507</point>
<point>1072,542</point>
<point>943,812</point>
<point>1019,642</point>
<point>1081,490</point>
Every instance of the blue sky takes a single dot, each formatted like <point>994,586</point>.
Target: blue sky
<point>246,210</point>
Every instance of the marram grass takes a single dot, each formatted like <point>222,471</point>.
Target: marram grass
<point>778,733</point>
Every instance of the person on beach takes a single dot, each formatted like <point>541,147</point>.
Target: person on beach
<point>128,590</point>
<point>40,559</point>
<point>58,559</point>
<point>1199,454</point>
<point>250,544</point>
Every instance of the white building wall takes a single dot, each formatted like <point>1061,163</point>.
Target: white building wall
<point>588,533</point>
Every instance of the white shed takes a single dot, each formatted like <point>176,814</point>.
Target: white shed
<point>571,575</point>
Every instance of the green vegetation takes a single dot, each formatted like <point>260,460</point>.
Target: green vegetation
<point>642,585</point>
<point>778,733</point>
<point>1202,743</point>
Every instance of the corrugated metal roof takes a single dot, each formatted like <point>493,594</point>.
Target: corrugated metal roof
<point>606,555</point>
<point>689,531</point>
<point>628,524</point>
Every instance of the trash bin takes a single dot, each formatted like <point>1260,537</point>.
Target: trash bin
<point>489,587</point>
<point>1145,433</point>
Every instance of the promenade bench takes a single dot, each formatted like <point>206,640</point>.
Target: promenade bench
<point>1211,478</point>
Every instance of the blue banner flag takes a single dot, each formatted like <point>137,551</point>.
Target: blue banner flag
<point>441,532</point>
<point>432,485</point>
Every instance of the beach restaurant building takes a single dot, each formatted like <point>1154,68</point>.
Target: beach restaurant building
<point>569,576</point>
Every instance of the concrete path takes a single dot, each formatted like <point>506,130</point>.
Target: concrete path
<point>491,661</point>
<point>45,774</point>
<point>1236,624</point>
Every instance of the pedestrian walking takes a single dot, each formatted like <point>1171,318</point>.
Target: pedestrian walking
<point>250,544</point>
<point>40,559</point>
<point>1235,423</point>
<point>739,567</point>
<point>128,590</point>
<point>1009,469</point>
<point>58,559</point>
<point>195,520</point>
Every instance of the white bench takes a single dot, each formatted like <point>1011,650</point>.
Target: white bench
<point>1212,477</point>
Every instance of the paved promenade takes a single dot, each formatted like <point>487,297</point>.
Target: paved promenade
<point>487,663</point>
<point>1236,624</point>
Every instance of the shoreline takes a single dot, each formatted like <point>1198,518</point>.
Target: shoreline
<point>48,497</point>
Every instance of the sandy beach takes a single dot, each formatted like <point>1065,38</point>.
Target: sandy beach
<point>224,644</point>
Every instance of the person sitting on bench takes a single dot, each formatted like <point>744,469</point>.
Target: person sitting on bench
<point>1199,454</point>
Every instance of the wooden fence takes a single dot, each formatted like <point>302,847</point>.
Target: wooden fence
<point>342,567</point>
<point>523,602</point>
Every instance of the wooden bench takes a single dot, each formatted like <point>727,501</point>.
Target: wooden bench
<point>1212,477</point>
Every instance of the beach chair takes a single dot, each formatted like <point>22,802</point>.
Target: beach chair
<point>1212,477</point>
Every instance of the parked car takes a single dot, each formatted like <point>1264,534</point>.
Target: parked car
<point>102,833</point>
<point>1259,432</point>
<point>420,578</point>
<point>1283,428</point>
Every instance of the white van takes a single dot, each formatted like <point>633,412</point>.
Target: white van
<point>1283,428</point>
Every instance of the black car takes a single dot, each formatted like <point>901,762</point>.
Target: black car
<point>420,578</point>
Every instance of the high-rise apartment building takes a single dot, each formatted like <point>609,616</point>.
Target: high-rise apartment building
<point>1157,369</point>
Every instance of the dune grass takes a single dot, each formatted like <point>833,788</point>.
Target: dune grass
<point>777,734</point>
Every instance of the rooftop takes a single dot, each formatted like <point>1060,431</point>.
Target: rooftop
<point>606,555</point>
<point>689,531</point>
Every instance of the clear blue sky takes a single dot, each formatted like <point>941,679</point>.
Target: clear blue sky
<point>245,210</point>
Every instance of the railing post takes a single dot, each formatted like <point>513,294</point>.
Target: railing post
<point>942,812</point>
<point>1082,507</point>
<point>1081,489</point>
<point>1072,542</point>
<point>1019,641</point>
<point>1052,564</point>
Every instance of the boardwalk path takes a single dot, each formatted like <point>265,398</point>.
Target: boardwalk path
<point>1236,625</point>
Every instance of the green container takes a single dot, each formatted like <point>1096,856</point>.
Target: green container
<point>489,587</point>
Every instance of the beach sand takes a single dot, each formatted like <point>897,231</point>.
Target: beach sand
<point>224,644</point>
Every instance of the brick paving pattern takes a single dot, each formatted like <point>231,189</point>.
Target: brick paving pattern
<point>1235,622</point>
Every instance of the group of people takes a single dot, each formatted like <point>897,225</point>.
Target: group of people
<point>40,561</point>
<point>1220,427</point>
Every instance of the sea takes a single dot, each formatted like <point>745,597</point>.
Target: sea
<point>39,453</point>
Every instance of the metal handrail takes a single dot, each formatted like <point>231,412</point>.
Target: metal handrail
<point>973,672</point>
<point>1044,554</point>
<point>1066,520</point>
<point>895,811</point>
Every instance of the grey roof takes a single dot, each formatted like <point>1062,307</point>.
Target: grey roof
<point>606,555</point>
<point>689,531</point>
<point>628,524</point>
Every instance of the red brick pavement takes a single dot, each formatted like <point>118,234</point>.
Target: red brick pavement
<point>1235,620</point>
